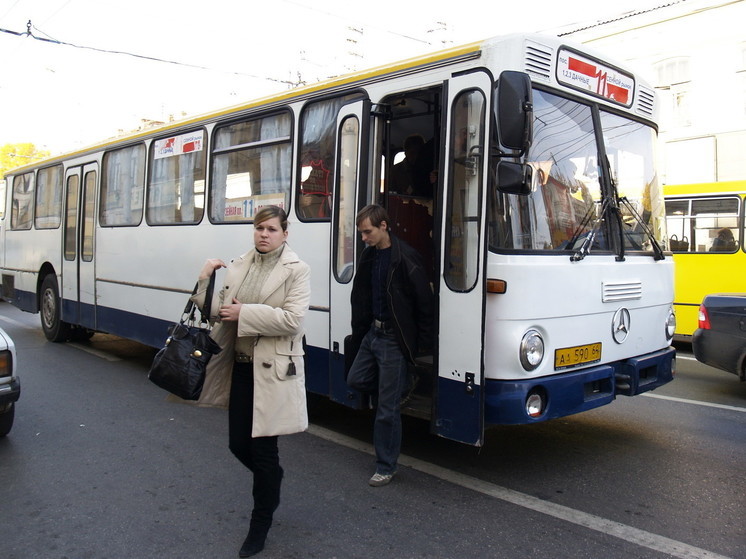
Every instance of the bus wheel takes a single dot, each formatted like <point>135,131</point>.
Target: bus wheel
<point>54,329</point>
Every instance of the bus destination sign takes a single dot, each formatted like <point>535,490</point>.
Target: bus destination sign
<point>589,75</point>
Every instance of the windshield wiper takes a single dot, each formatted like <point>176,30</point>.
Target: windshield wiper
<point>585,248</point>
<point>657,250</point>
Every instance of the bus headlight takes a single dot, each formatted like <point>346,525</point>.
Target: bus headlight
<point>532,350</point>
<point>670,325</point>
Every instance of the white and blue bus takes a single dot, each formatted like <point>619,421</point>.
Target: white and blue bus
<point>543,227</point>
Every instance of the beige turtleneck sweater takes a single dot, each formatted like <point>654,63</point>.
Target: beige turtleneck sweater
<point>249,291</point>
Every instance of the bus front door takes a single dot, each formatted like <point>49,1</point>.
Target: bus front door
<point>78,296</point>
<point>459,405</point>
<point>349,178</point>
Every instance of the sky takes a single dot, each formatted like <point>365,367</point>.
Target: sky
<point>220,53</point>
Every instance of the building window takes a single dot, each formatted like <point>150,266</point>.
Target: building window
<point>674,83</point>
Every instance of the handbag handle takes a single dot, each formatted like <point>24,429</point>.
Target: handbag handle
<point>204,311</point>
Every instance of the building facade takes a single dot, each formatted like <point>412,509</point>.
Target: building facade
<point>694,52</point>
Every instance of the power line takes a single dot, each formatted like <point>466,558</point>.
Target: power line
<point>356,22</point>
<point>49,39</point>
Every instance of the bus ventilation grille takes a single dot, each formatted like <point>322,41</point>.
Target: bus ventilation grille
<point>539,60</point>
<point>646,102</point>
<point>627,291</point>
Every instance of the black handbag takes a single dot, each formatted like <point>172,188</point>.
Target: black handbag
<point>179,367</point>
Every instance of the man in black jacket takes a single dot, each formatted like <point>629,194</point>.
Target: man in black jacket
<point>392,321</point>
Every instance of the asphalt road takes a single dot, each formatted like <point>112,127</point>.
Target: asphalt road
<point>99,465</point>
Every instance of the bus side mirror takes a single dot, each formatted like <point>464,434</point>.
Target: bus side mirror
<point>515,111</point>
<point>514,178</point>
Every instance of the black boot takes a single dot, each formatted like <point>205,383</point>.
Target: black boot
<point>266,500</point>
<point>254,541</point>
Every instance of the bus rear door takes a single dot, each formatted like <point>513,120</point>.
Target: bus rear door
<point>459,406</point>
<point>78,296</point>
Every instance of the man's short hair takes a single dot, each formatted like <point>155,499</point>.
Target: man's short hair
<point>375,213</point>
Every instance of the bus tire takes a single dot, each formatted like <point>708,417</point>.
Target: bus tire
<point>49,308</point>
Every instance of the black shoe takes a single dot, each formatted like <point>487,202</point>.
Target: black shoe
<point>253,544</point>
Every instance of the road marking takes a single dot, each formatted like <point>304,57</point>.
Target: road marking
<point>603,525</point>
<point>696,402</point>
<point>16,323</point>
<point>96,352</point>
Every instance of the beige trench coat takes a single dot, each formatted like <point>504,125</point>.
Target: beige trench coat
<point>279,399</point>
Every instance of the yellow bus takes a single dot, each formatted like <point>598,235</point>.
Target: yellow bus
<point>705,225</point>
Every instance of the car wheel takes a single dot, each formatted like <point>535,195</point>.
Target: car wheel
<point>6,420</point>
<point>54,329</point>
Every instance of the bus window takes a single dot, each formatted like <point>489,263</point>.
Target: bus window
<point>568,192</point>
<point>71,217</point>
<point>122,186</point>
<point>23,198</point>
<point>348,155</point>
<point>628,145</point>
<point>176,182</point>
<point>709,218</point>
<point>703,224</point>
<point>464,197</point>
<point>318,134</point>
<point>89,203</point>
<point>677,224</point>
<point>250,168</point>
<point>3,192</point>
<point>48,197</point>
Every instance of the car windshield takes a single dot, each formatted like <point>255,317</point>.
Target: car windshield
<point>565,204</point>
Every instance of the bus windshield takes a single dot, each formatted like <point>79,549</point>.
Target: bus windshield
<point>565,205</point>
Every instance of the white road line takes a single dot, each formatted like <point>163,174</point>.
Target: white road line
<point>16,323</point>
<point>590,521</point>
<point>695,402</point>
<point>96,352</point>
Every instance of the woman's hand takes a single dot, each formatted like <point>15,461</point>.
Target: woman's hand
<point>230,313</point>
<point>210,266</point>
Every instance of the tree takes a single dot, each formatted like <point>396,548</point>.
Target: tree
<point>18,155</point>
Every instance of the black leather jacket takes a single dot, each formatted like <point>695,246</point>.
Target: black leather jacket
<point>410,301</point>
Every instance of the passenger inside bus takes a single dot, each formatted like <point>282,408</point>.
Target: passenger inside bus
<point>410,186</point>
<point>724,242</point>
<point>414,175</point>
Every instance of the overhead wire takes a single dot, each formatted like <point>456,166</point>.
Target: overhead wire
<point>49,39</point>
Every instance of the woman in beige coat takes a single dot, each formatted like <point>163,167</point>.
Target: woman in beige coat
<point>259,373</point>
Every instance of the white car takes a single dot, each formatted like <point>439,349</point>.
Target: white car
<point>10,384</point>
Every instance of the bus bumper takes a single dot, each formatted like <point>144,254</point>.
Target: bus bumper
<point>576,391</point>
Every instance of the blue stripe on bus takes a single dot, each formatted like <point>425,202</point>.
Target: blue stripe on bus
<point>25,300</point>
<point>325,373</point>
<point>579,391</point>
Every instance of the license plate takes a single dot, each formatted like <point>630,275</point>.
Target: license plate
<point>578,355</point>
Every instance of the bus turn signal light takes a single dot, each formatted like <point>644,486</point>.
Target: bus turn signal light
<point>496,286</point>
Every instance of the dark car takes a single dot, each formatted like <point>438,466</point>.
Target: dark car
<point>720,340</point>
<point>10,385</point>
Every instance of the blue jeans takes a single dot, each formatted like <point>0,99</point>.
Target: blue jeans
<point>381,368</point>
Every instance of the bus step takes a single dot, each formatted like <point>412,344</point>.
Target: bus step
<point>418,406</point>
